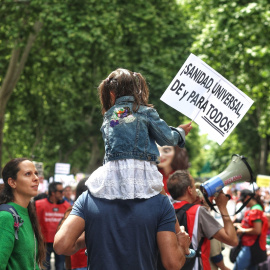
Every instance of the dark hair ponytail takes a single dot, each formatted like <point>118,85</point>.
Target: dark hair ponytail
<point>123,82</point>
<point>38,234</point>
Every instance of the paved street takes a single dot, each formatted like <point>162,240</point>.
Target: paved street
<point>225,253</point>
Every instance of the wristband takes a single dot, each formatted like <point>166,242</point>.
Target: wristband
<point>191,254</point>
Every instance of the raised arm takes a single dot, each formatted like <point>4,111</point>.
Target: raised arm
<point>227,234</point>
<point>162,133</point>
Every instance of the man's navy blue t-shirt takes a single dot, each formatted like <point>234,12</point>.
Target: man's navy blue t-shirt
<point>122,234</point>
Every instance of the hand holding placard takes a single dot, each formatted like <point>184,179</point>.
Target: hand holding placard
<point>186,127</point>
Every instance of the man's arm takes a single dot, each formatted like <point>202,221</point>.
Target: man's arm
<point>227,234</point>
<point>172,254</point>
<point>70,238</point>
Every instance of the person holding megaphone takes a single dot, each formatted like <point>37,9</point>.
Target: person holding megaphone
<point>200,222</point>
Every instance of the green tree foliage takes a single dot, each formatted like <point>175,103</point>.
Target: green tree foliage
<point>15,46</point>
<point>232,37</point>
<point>53,113</point>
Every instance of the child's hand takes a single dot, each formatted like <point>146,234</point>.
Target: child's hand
<point>186,127</point>
<point>183,239</point>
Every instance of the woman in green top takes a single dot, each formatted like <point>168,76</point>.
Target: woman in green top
<point>20,185</point>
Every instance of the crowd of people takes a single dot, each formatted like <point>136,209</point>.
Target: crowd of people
<point>141,210</point>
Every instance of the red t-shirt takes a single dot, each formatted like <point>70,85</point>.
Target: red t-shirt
<point>49,215</point>
<point>165,179</point>
<point>254,215</point>
<point>79,259</point>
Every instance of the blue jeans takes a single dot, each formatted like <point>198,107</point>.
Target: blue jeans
<point>83,268</point>
<point>59,259</point>
<point>243,260</point>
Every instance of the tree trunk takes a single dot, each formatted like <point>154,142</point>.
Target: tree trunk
<point>96,156</point>
<point>14,71</point>
<point>264,155</point>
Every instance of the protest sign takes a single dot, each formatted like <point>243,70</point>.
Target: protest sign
<point>39,167</point>
<point>62,168</point>
<point>263,180</point>
<point>206,97</point>
<point>66,180</point>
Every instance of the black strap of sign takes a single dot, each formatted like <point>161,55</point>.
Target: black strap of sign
<point>246,202</point>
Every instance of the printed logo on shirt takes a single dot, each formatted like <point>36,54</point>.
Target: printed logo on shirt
<point>53,217</point>
<point>55,209</point>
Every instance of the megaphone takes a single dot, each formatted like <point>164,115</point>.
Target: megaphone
<point>237,171</point>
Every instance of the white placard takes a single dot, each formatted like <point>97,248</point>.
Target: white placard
<point>66,180</point>
<point>206,97</point>
<point>40,168</point>
<point>62,168</point>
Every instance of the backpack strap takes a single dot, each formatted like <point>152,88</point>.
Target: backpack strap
<point>185,208</point>
<point>182,218</point>
<point>181,214</point>
<point>198,251</point>
<point>18,222</point>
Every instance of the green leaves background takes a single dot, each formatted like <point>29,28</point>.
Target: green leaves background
<point>52,113</point>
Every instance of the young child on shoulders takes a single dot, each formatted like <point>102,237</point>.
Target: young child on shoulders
<point>131,128</point>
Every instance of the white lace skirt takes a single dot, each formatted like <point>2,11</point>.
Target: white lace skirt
<point>125,179</point>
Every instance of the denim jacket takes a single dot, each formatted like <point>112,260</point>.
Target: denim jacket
<point>133,135</point>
